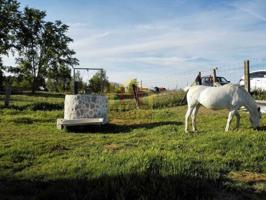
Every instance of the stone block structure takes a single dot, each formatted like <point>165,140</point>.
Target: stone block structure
<point>86,106</point>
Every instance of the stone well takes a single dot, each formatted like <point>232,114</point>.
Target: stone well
<point>86,106</point>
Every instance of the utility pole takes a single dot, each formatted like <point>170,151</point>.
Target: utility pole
<point>136,95</point>
<point>246,75</point>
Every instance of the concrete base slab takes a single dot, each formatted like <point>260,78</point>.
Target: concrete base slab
<point>64,123</point>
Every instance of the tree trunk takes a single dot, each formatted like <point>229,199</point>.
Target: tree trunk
<point>33,89</point>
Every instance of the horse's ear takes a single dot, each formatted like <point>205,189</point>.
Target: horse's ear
<point>258,109</point>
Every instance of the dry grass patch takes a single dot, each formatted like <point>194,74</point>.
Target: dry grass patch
<point>255,181</point>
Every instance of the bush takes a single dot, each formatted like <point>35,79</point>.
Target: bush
<point>259,95</point>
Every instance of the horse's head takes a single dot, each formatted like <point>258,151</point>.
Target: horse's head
<point>255,117</point>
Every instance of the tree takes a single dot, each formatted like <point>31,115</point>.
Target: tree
<point>114,87</point>
<point>44,49</point>
<point>99,82</point>
<point>58,56</point>
<point>8,25</point>
<point>59,80</point>
<point>30,45</point>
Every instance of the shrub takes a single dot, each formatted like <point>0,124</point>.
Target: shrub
<point>259,94</point>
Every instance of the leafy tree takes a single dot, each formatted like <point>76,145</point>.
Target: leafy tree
<point>59,80</point>
<point>44,49</point>
<point>30,45</point>
<point>58,55</point>
<point>8,24</point>
<point>114,87</point>
<point>99,82</point>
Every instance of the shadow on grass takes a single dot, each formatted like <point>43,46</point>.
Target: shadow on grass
<point>117,128</point>
<point>42,106</point>
<point>148,185</point>
<point>45,94</point>
<point>262,128</point>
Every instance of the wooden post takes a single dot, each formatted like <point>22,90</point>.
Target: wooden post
<point>7,98</point>
<point>198,79</point>
<point>214,76</point>
<point>246,75</point>
<point>135,91</point>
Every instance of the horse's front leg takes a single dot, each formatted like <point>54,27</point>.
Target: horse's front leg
<point>189,111</point>
<point>229,119</point>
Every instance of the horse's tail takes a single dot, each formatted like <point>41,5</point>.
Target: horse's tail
<point>184,99</point>
<point>186,89</point>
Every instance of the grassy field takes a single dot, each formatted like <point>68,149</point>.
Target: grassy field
<point>141,154</point>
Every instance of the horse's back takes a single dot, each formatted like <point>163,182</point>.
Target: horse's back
<point>214,97</point>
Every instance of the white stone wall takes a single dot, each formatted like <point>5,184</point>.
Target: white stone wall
<point>86,106</point>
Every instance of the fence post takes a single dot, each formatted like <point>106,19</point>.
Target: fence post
<point>246,75</point>
<point>198,79</point>
<point>7,97</point>
<point>136,96</point>
<point>214,76</point>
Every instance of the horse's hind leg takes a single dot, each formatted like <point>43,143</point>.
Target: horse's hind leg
<point>194,116</point>
<point>189,111</point>
<point>229,119</point>
<point>237,119</point>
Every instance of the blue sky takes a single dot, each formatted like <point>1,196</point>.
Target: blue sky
<point>163,42</point>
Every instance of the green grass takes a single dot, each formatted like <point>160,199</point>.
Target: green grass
<point>141,154</point>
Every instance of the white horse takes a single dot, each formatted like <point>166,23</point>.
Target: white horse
<point>229,96</point>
